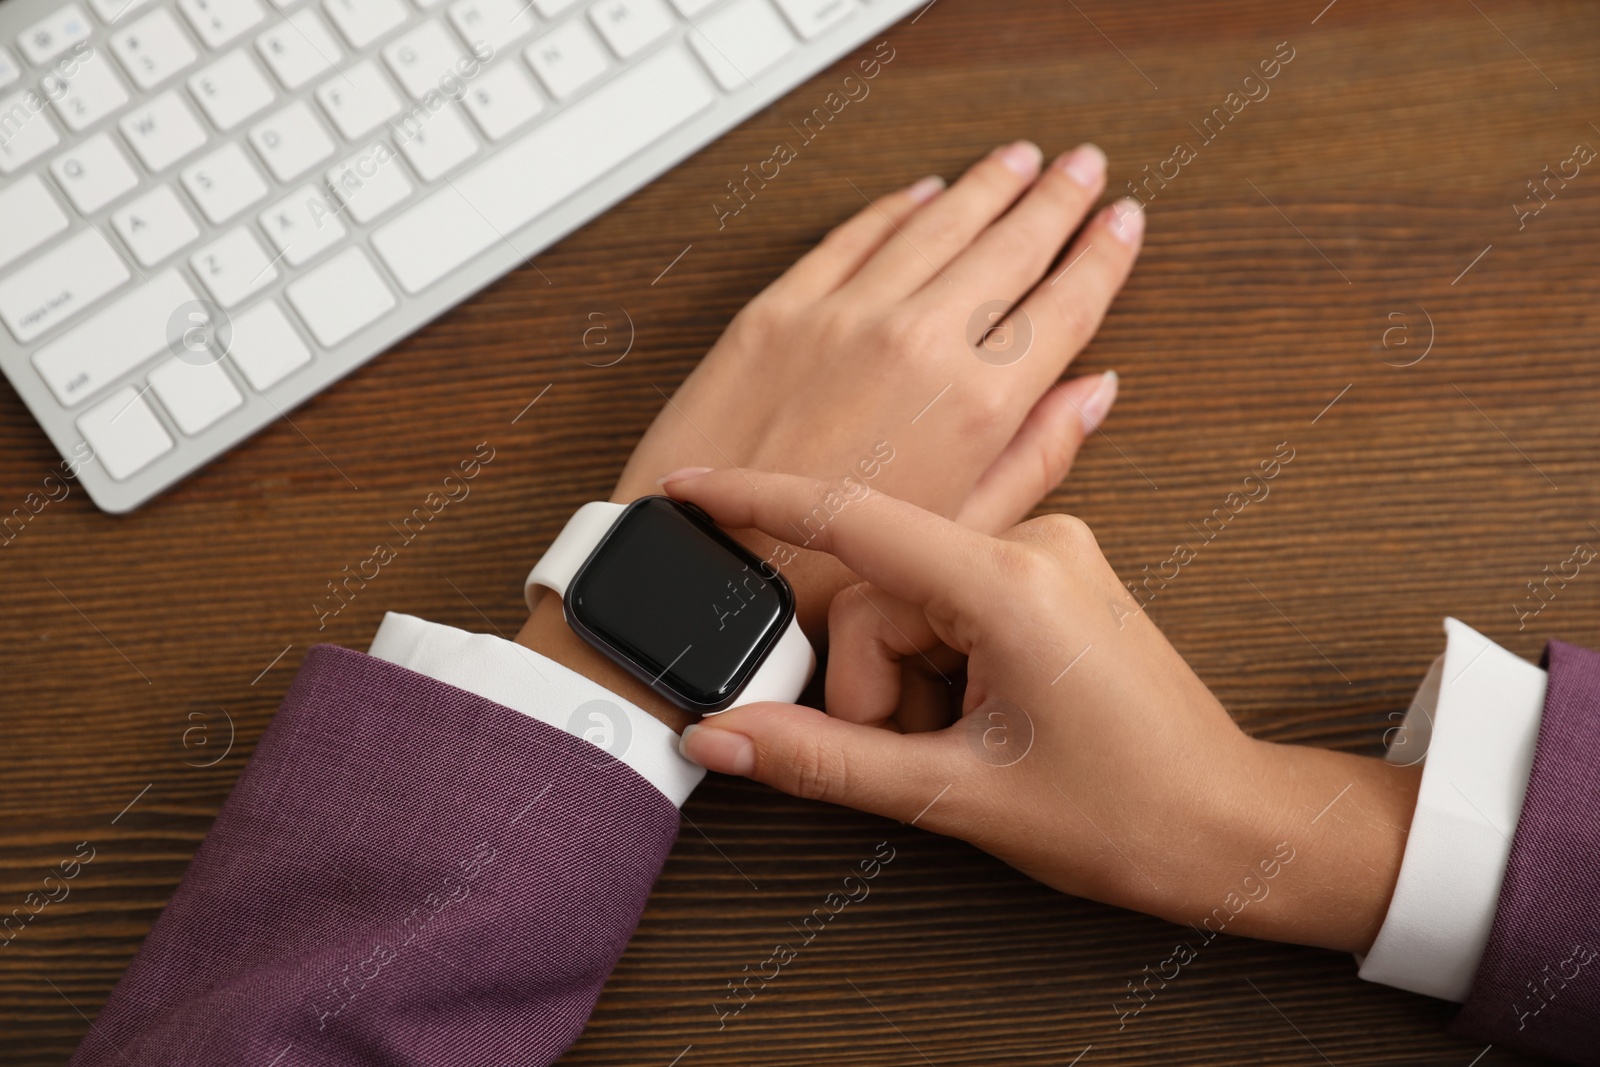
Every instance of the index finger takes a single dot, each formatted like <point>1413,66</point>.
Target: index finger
<point>908,552</point>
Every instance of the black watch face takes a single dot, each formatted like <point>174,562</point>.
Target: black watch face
<point>679,603</point>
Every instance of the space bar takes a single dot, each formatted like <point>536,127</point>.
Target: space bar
<point>577,146</point>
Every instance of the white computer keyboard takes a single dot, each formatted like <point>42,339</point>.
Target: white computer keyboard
<point>211,209</point>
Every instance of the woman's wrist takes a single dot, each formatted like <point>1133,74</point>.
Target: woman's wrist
<point>1303,846</point>
<point>547,633</point>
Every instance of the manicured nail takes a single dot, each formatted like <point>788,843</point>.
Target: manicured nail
<point>1128,224</point>
<point>1094,410</point>
<point>683,473</point>
<point>722,751</point>
<point>1023,157</point>
<point>926,189</point>
<point>1085,165</point>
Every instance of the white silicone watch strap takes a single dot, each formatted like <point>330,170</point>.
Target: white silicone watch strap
<point>570,548</point>
<point>782,676</point>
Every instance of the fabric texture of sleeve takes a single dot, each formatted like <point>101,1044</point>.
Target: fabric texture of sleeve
<point>1538,985</point>
<point>405,873</point>
<point>1476,719</point>
<point>521,679</point>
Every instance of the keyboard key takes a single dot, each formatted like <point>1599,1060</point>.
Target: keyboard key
<point>194,394</point>
<point>94,173</point>
<point>300,230</point>
<point>220,21</point>
<point>740,41</point>
<point>364,21</point>
<point>153,49</point>
<point>435,144</point>
<point>125,434</point>
<point>265,347</point>
<point>495,23</point>
<point>299,49</point>
<point>54,34</point>
<point>341,296</point>
<point>567,59</point>
<point>630,26</point>
<point>544,167</point>
<point>111,11</point>
<point>10,71</point>
<point>29,216</point>
<point>233,267</point>
<point>502,100</point>
<point>421,58</point>
<point>155,226</point>
<point>292,142</point>
<point>224,183</point>
<point>163,131</point>
<point>29,131</point>
<point>690,8</point>
<point>231,90</point>
<point>60,284</point>
<point>358,100</point>
<point>112,342</point>
<point>811,17</point>
<point>551,8</point>
<point>371,183</point>
<point>89,95</point>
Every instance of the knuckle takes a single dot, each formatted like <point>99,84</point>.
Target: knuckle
<point>1078,318</point>
<point>987,412</point>
<point>763,317</point>
<point>844,610</point>
<point>1027,564</point>
<point>1044,545</point>
<point>1066,531</point>
<point>907,334</point>
<point>817,769</point>
<point>950,228</point>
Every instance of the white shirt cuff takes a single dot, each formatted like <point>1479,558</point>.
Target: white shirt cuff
<point>1476,719</point>
<point>537,686</point>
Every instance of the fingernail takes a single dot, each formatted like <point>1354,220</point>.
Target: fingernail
<point>683,473</point>
<point>722,751</point>
<point>1085,165</point>
<point>926,189</point>
<point>1094,410</point>
<point>1023,157</point>
<point>1128,225</point>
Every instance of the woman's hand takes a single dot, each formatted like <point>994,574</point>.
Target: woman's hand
<point>917,350</point>
<point>1009,691</point>
<point>864,362</point>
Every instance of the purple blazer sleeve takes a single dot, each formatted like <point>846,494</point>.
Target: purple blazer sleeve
<point>405,873</point>
<point>1538,984</point>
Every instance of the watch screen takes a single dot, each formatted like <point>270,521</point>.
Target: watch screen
<point>688,607</point>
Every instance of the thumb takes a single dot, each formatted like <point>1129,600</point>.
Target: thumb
<point>806,753</point>
<point>1040,454</point>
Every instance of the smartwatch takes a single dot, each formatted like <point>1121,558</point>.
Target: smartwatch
<point>661,590</point>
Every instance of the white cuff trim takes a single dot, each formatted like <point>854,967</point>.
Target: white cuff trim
<point>539,687</point>
<point>1476,719</point>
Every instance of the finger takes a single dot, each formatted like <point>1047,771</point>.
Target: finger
<point>808,754</point>
<point>908,552</point>
<point>1041,453</point>
<point>931,238</point>
<point>1064,312</point>
<point>1008,258</point>
<point>846,247</point>
<point>870,633</point>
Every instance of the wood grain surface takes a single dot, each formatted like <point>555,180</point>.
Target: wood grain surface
<point>1283,269</point>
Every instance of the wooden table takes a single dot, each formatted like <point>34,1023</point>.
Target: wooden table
<point>1295,273</point>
